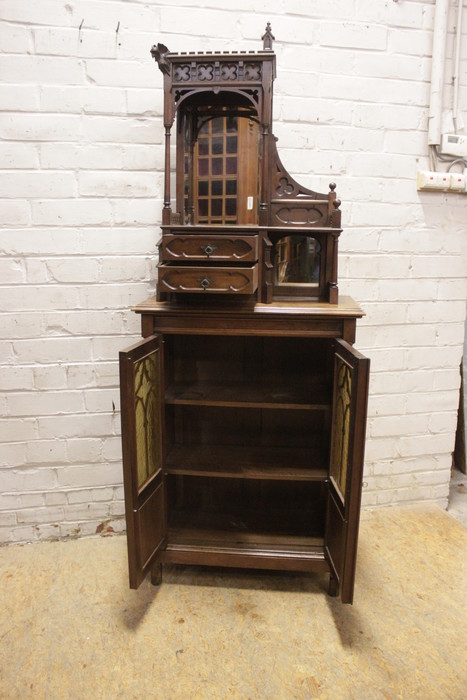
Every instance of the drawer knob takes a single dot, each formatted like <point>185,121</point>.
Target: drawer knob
<point>208,249</point>
<point>205,282</point>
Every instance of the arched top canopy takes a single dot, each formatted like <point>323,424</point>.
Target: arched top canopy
<point>241,75</point>
<point>211,103</point>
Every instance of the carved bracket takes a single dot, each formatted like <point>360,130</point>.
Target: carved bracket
<point>158,52</point>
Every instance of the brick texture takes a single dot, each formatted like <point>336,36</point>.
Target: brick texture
<point>81,160</point>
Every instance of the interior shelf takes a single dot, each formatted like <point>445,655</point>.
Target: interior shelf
<point>277,463</point>
<point>250,395</point>
<point>247,537</point>
<point>246,526</point>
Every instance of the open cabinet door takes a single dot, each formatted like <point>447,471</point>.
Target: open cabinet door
<point>350,397</point>
<point>141,387</point>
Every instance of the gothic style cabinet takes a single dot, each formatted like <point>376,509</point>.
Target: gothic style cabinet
<point>244,406</point>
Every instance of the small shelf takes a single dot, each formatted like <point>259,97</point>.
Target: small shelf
<point>250,395</point>
<point>250,527</point>
<point>274,463</point>
<point>246,538</point>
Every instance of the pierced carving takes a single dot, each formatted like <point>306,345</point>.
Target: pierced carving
<point>229,71</point>
<point>252,71</point>
<point>205,71</point>
<point>211,71</point>
<point>182,72</point>
<point>285,188</point>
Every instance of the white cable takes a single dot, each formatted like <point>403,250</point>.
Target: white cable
<point>437,71</point>
<point>455,81</point>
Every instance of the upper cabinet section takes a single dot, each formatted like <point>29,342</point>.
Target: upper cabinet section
<point>229,180</point>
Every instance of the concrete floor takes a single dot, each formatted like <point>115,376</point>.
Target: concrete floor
<point>71,628</point>
<point>458,496</point>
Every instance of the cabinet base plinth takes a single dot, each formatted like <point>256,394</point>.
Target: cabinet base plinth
<point>307,560</point>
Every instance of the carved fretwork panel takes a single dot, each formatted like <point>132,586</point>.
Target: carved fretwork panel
<point>292,204</point>
<point>215,71</point>
<point>284,186</point>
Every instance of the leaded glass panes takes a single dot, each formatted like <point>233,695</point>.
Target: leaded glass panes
<point>148,424</point>
<point>217,172</point>
<point>339,461</point>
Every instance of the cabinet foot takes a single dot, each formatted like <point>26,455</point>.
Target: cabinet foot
<point>156,574</point>
<point>333,588</point>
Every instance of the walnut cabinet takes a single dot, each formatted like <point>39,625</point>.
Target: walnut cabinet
<point>243,439</point>
<point>244,406</point>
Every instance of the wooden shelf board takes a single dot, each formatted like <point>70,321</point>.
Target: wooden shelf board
<point>249,395</point>
<point>230,461</point>
<point>275,527</point>
<point>196,536</point>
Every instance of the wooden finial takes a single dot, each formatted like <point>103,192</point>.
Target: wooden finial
<point>332,186</point>
<point>268,38</point>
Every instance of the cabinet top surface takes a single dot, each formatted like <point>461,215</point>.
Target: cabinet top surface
<point>346,307</point>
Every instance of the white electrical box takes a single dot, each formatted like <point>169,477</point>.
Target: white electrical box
<point>457,182</point>
<point>429,180</point>
<point>454,145</point>
<point>443,182</point>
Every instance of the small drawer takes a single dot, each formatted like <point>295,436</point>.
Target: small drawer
<point>217,248</point>
<point>208,280</point>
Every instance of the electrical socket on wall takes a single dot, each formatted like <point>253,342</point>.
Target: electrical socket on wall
<point>442,182</point>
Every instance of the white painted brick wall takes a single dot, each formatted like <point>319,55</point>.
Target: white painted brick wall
<point>81,161</point>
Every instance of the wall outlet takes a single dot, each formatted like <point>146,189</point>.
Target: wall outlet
<point>430,180</point>
<point>458,182</point>
<point>442,182</point>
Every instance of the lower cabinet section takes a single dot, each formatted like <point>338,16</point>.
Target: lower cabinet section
<point>252,523</point>
<point>244,450</point>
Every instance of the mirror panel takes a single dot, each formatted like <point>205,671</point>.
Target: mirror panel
<point>297,261</point>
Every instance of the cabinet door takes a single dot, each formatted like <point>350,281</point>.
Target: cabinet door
<point>350,396</point>
<point>141,387</point>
